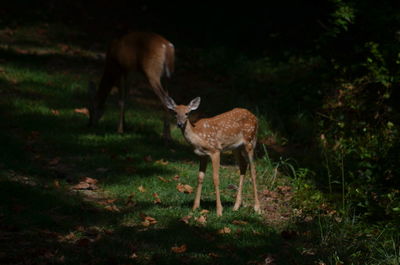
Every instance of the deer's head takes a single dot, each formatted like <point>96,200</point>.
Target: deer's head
<point>182,111</point>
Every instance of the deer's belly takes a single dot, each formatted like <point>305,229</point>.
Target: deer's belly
<point>232,147</point>
<point>200,152</point>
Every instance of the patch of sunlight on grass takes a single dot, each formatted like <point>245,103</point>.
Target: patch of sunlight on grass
<point>25,106</point>
<point>26,74</point>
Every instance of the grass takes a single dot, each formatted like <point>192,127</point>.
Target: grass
<point>47,149</point>
<point>135,213</point>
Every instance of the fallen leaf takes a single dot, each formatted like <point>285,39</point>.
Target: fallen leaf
<point>232,187</point>
<point>269,260</point>
<point>83,111</point>
<point>338,219</point>
<point>186,219</point>
<point>204,211</point>
<point>213,255</point>
<point>145,223</point>
<point>108,201</point>
<point>64,47</point>
<point>112,208</point>
<point>55,161</point>
<point>70,237</point>
<point>156,198</point>
<point>90,180</point>
<point>141,188</point>
<point>184,188</point>
<point>133,256</point>
<point>201,220</point>
<point>80,228</point>
<point>81,186</point>
<point>180,249</point>
<point>162,162</point>
<point>284,189</point>
<point>176,177</point>
<point>55,112</point>
<point>148,220</point>
<point>164,180</point>
<point>308,219</point>
<point>56,184</point>
<point>239,222</point>
<point>225,230</point>
<point>21,51</point>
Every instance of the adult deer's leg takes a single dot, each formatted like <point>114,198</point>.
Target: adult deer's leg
<point>166,126</point>
<point>202,171</point>
<point>250,154</point>
<point>98,98</point>
<point>215,158</point>
<point>121,102</point>
<point>242,166</point>
<point>154,79</point>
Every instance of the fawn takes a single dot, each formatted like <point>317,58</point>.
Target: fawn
<point>233,130</point>
<point>144,52</point>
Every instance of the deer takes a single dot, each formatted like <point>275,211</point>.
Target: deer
<point>136,52</point>
<point>234,130</point>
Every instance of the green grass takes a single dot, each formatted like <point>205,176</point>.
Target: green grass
<point>46,148</point>
<point>43,221</point>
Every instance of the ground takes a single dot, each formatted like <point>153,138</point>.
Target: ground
<point>77,195</point>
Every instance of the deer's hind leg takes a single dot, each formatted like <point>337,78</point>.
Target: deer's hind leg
<point>242,167</point>
<point>249,151</point>
<point>215,159</point>
<point>123,91</point>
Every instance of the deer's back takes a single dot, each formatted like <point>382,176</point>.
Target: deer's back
<point>228,130</point>
<point>135,50</point>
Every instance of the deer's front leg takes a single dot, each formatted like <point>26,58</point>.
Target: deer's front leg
<point>215,158</point>
<point>200,179</point>
<point>121,102</point>
<point>166,126</point>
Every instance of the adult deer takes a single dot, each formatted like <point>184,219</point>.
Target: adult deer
<point>144,52</point>
<point>233,130</point>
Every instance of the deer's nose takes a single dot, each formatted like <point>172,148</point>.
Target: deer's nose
<point>180,124</point>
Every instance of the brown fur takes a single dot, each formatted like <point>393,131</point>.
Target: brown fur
<point>233,130</point>
<point>144,52</point>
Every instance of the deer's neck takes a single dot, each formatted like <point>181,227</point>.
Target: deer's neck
<point>190,134</point>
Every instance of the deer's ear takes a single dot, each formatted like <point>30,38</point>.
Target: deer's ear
<point>194,104</point>
<point>170,103</point>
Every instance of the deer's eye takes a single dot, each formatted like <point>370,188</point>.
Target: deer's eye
<point>187,113</point>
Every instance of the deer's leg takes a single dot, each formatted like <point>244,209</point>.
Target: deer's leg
<point>215,158</point>
<point>242,167</point>
<point>121,102</point>
<point>166,126</point>
<point>250,155</point>
<point>200,178</point>
<point>155,83</point>
<point>99,96</point>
